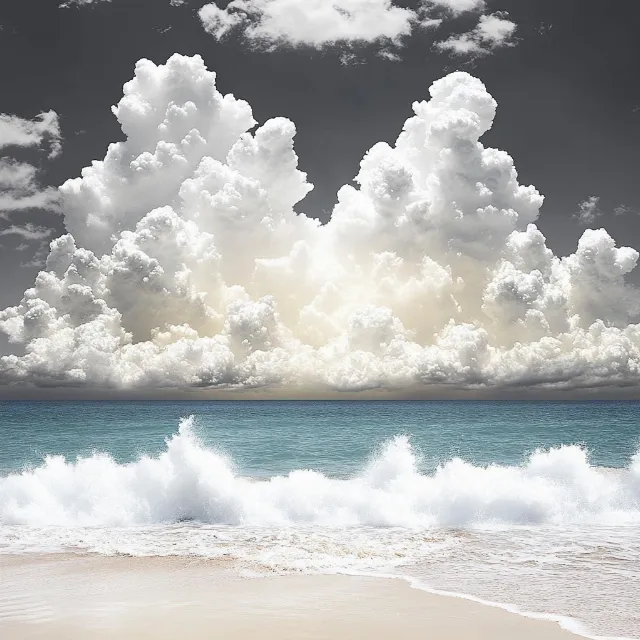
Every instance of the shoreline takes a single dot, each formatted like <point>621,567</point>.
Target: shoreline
<point>73,596</point>
<point>566,623</point>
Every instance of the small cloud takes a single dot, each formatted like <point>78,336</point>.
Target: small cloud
<point>21,132</point>
<point>623,210</point>
<point>20,189</point>
<point>79,3</point>
<point>389,55</point>
<point>492,31</point>
<point>349,59</point>
<point>430,23</point>
<point>29,232</point>
<point>588,211</point>
<point>82,3</point>
<point>456,6</point>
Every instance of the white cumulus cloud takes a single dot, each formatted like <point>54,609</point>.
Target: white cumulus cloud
<point>491,32</point>
<point>186,265</point>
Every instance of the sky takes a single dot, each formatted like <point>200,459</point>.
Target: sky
<point>564,77</point>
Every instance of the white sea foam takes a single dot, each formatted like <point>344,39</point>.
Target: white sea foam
<point>191,482</point>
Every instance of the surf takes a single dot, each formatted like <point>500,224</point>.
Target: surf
<point>189,482</point>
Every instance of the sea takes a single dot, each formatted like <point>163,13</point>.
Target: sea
<point>531,506</point>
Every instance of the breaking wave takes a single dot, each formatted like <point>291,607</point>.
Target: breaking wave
<point>190,482</point>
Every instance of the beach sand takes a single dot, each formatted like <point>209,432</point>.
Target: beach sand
<point>68,597</point>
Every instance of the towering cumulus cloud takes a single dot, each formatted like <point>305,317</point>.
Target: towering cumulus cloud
<point>186,264</point>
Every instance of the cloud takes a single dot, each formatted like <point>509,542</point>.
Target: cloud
<point>186,265</point>
<point>267,24</point>
<point>28,232</point>
<point>456,6</point>
<point>588,211</point>
<point>80,3</point>
<point>623,210</point>
<point>38,259</point>
<point>316,23</point>
<point>19,187</point>
<point>20,132</point>
<point>312,23</point>
<point>492,31</point>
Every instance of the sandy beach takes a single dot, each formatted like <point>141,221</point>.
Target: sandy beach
<point>69,596</point>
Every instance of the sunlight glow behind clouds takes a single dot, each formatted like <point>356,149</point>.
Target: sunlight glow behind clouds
<point>188,266</point>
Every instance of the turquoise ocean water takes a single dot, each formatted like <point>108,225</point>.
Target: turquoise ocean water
<point>268,438</point>
<point>533,505</point>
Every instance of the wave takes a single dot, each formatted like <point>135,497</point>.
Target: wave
<point>189,481</point>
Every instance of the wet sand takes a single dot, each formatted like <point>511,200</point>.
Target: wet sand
<point>69,597</point>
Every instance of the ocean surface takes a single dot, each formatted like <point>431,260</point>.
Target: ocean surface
<point>534,506</point>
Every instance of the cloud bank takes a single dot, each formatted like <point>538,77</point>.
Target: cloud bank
<point>186,265</point>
